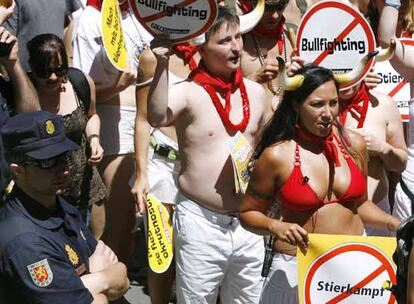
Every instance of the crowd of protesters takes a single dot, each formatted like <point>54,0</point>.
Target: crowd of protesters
<point>82,144</point>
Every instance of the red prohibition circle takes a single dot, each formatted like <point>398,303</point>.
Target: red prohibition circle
<point>347,248</point>
<point>357,17</point>
<point>206,26</point>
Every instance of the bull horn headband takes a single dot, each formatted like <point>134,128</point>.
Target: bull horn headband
<point>247,22</point>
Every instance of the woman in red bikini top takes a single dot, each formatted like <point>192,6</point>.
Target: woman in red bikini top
<point>317,172</point>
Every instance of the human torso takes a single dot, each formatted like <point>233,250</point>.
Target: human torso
<point>408,174</point>
<point>332,213</point>
<point>207,173</point>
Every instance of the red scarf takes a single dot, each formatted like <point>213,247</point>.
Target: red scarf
<point>353,106</point>
<point>186,52</point>
<point>214,84</point>
<point>260,30</point>
<point>328,147</point>
<point>97,4</point>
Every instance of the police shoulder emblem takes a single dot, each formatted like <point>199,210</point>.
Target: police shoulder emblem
<point>50,127</point>
<point>72,255</point>
<point>41,273</point>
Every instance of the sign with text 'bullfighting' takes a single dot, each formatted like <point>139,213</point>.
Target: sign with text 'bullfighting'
<point>346,269</point>
<point>112,35</point>
<point>334,35</point>
<point>394,85</point>
<point>181,19</point>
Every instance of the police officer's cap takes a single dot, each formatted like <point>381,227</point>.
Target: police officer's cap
<point>38,134</point>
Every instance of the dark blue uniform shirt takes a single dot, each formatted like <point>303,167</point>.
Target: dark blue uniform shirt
<point>43,253</point>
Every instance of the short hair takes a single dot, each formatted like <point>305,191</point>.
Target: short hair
<point>225,15</point>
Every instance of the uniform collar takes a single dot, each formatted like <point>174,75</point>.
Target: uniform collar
<point>39,214</point>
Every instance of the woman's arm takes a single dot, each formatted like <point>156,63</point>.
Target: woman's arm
<point>259,196</point>
<point>93,127</point>
<point>146,70</point>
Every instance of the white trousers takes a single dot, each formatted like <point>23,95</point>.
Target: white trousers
<point>281,285</point>
<point>214,252</point>
<point>402,203</point>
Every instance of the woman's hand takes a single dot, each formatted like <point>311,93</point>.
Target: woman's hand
<point>139,191</point>
<point>291,233</point>
<point>96,151</point>
<point>372,80</point>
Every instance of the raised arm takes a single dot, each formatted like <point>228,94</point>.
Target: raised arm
<point>24,94</point>
<point>146,70</point>
<point>403,59</point>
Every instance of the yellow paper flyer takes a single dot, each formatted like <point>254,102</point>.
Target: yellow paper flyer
<point>240,153</point>
<point>160,236</point>
<point>112,35</point>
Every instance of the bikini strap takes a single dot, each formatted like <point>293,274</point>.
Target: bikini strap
<point>297,156</point>
<point>341,147</point>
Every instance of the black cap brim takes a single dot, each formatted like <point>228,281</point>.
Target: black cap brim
<point>53,150</point>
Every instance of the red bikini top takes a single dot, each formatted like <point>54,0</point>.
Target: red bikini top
<point>297,195</point>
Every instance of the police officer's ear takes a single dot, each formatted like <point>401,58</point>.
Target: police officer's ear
<point>17,170</point>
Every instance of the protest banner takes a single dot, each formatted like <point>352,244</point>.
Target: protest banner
<point>182,20</point>
<point>346,269</point>
<point>334,35</point>
<point>160,236</point>
<point>112,35</point>
<point>394,85</point>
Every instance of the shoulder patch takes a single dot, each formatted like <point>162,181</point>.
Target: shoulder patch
<point>41,273</point>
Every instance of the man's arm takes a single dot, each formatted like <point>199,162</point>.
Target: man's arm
<point>25,96</point>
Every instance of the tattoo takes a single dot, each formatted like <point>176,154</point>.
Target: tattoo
<point>140,75</point>
<point>261,196</point>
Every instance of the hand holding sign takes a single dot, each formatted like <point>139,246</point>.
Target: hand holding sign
<point>161,46</point>
<point>291,233</point>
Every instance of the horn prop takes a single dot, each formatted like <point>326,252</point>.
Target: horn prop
<point>288,83</point>
<point>247,22</point>
<point>350,76</point>
<point>386,54</point>
<point>250,20</point>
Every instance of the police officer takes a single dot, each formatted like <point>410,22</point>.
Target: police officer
<point>47,255</point>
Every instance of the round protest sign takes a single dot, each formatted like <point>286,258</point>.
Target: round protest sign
<point>394,85</point>
<point>334,35</point>
<point>350,273</point>
<point>112,35</point>
<point>181,19</point>
<point>160,251</point>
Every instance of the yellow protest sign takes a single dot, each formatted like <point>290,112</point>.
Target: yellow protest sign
<point>160,241</point>
<point>346,269</point>
<point>112,35</point>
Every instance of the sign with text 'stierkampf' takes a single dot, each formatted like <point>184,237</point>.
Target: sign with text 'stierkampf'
<point>112,35</point>
<point>393,84</point>
<point>346,269</point>
<point>182,20</point>
<point>334,35</point>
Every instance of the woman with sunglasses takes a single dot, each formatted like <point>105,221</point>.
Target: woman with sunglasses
<point>317,172</point>
<point>57,95</point>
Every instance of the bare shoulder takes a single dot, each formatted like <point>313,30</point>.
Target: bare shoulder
<point>147,62</point>
<point>357,141</point>
<point>274,156</point>
<point>253,85</point>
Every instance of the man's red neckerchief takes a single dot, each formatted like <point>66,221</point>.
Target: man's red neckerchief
<point>354,107</point>
<point>214,85</point>
<point>326,143</point>
<point>186,52</point>
<point>97,4</point>
<point>275,33</point>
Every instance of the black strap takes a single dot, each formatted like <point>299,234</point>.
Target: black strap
<point>408,193</point>
<point>81,85</point>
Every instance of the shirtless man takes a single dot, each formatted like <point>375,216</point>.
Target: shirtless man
<point>212,249</point>
<point>263,44</point>
<point>381,126</point>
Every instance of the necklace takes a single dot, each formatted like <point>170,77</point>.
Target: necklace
<point>139,48</point>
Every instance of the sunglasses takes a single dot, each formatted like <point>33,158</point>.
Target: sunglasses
<point>46,164</point>
<point>59,71</point>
